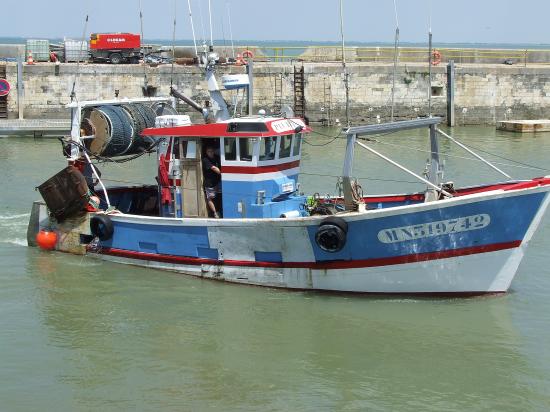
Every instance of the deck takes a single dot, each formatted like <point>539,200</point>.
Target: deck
<point>35,127</point>
<point>524,126</point>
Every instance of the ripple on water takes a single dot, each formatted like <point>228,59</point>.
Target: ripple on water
<point>13,228</point>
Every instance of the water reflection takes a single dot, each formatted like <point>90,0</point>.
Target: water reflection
<point>181,341</point>
<point>81,334</point>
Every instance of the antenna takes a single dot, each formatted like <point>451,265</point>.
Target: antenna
<point>210,19</point>
<point>346,78</point>
<point>192,28</point>
<point>395,58</point>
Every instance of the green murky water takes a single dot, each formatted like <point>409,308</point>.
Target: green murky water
<point>78,334</point>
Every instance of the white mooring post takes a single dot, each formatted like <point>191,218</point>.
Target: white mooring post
<point>435,166</point>
<point>347,172</point>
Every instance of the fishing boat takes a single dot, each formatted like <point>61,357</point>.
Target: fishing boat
<point>444,240</point>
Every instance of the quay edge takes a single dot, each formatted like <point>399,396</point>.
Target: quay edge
<point>484,93</point>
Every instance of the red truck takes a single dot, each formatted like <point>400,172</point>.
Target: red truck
<point>115,48</point>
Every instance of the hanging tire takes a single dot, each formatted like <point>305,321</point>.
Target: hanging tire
<point>115,58</point>
<point>102,227</point>
<point>331,234</point>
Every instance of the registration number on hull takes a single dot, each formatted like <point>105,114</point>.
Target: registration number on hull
<point>430,229</point>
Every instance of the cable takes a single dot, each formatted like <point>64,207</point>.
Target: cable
<point>506,158</point>
<point>523,166</point>
<point>322,144</point>
<point>359,177</point>
<point>108,159</point>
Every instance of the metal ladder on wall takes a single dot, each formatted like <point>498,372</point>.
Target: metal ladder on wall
<point>278,101</point>
<point>327,103</point>
<point>3,99</point>
<point>299,92</point>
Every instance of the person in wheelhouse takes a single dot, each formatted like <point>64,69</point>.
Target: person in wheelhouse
<point>211,168</point>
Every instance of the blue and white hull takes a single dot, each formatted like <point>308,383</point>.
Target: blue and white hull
<point>471,244</point>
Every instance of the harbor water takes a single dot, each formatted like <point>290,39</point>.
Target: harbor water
<point>78,334</point>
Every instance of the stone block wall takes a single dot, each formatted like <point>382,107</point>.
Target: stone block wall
<point>484,94</point>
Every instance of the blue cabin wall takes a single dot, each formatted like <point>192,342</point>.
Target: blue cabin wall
<point>245,194</point>
<point>243,177</point>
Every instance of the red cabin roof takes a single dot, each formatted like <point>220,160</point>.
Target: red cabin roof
<point>241,127</point>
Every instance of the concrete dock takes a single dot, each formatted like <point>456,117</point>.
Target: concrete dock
<point>478,93</point>
<point>524,126</point>
<point>35,127</point>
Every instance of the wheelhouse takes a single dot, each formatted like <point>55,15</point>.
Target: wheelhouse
<point>260,164</point>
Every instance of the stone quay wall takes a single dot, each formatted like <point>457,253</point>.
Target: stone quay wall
<point>484,93</point>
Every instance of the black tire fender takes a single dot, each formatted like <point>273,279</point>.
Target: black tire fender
<point>102,227</point>
<point>331,234</point>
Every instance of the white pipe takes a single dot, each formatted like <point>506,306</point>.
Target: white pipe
<point>98,178</point>
<point>387,159</point>
<point>474,154</point>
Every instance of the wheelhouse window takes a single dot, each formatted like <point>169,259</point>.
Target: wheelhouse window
<point>267,148</point>
<point>179,148</point>
<point>230,148</point>
<point>286,145</point>
<point>297,145</point>
<point>246,149</point>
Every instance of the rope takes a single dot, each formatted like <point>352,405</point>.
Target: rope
<point>322,144</point>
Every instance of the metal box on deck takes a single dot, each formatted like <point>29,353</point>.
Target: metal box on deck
<point>40,50</point>
<point>76,50</point>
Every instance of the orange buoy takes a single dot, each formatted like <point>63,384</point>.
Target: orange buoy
<point>239,61</point>
<point>247,54</point>
<point>436,57</point>
<point>46,239</point>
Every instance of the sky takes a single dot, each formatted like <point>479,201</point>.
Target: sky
<point>456,21</point>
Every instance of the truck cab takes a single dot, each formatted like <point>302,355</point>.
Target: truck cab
<point>115,48</point>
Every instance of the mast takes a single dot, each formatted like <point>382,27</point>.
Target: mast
<point>346,76</point>
<point>430,62</point>
<point>395,57</point>
<point>230,29</point>
<point>430,73</point>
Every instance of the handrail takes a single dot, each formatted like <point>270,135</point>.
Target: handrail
<point>320,53</point>
<point>393,126</point>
